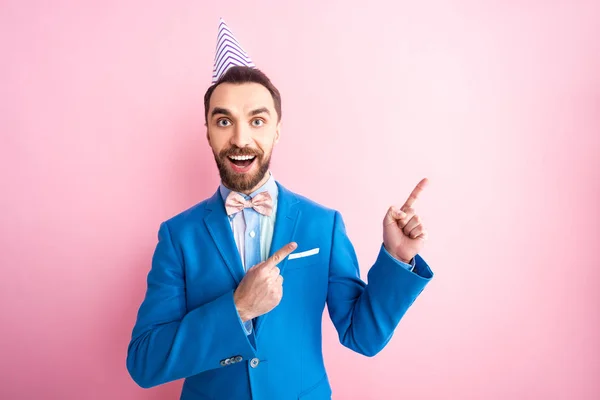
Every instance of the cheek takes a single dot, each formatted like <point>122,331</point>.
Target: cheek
<point>217,142</point>
<point>266,140</point>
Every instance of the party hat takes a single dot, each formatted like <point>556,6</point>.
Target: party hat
<point>229,52</point>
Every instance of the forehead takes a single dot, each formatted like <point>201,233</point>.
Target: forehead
<point>241,98</point>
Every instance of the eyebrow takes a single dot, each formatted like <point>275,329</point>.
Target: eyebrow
<point>260,111</point>
<point>219,110</point>
<point>226,112</point>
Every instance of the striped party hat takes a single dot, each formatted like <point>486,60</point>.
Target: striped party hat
<point>229,52</point>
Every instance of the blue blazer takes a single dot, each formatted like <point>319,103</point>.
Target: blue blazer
<point>188,327</point>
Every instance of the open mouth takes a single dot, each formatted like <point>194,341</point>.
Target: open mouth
<point>241,163</point>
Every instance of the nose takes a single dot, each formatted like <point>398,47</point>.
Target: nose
<point>241,136</point>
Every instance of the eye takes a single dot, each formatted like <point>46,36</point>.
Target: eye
<point>223,122</point>
<point>258,122</point>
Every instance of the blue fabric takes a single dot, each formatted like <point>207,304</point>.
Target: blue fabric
<point>254,239</point>
<point>188,327</point>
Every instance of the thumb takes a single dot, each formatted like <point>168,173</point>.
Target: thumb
<point>393,215</point>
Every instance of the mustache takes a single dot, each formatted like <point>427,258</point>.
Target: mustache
<point>236,151</point>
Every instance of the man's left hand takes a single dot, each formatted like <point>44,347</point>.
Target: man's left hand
<point>403,232</point>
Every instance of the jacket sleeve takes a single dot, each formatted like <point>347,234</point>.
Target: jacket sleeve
<point>169,341</point>
<point>366,315</point>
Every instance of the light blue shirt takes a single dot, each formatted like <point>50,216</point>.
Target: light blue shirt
<point>253,232</point>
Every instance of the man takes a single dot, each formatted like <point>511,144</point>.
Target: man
<point>239,282</point>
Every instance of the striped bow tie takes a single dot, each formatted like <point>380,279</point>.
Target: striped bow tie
<point>262,203</point>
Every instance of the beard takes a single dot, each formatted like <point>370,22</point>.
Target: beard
<point>242,182</point>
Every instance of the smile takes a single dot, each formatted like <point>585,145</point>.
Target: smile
<point>241,164</point>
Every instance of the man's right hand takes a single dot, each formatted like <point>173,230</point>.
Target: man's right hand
<point>261,289</point>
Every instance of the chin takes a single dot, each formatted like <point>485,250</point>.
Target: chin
<point>242,181</point>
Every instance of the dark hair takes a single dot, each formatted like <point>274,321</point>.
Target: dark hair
<point>239,75</point>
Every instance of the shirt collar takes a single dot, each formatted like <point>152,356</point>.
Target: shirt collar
<point>269,186</point>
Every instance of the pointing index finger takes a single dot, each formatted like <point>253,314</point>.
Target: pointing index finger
<point>280,254</point>
<point>415,193</point>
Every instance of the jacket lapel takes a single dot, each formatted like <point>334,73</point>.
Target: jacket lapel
<point>285,227</point>
<point>217,223</point>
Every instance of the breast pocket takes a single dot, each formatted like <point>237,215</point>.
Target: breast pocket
<point>302,259</point>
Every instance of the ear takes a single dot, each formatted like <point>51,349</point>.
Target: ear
<point>207,135</point>
<point>277,131</point>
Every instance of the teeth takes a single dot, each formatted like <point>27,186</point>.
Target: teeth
<point>241,158</point>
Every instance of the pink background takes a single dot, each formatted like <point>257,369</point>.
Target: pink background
<point>498,103</point>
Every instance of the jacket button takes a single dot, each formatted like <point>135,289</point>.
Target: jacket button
<point>223,363</point>
<point>254,362</point>
<point>238,359</point>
